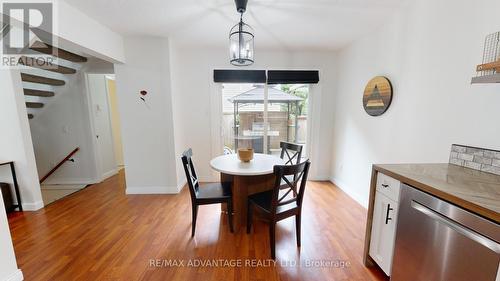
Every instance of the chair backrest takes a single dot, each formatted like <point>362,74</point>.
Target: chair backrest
<point>191,177</point>
<point>292,151</point>
<point>293,190</point>
<point>228,150</point>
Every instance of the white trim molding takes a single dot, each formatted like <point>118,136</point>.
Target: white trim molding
<point>63,186</point>
<point>109,174</point>
<point>349,191</point>
<point>69,181</point>
<point>318,178</point>
<point>181,185</point>
<point>33,206</point>
<point>151,190</point>
<point>15,276</point>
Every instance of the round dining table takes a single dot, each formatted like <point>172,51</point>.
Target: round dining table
<point>246,178</point>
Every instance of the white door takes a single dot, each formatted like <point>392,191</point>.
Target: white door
<point>103,136</point>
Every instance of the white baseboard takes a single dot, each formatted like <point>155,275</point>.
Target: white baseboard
<point>109,174</point>
<point>69,181</point>
<point>319,178</point>
<point>62,186</point>
<point>85,181</point>
<point>151,190</point>
<point>349,191</point>
<point>32,206</point>
<point>16,276</point>
<point>181,185</point>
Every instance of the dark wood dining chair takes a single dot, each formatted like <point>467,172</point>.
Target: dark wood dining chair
<point>278,204</point>
<point>210,193</point>
<point>293,154</point>
<point>288,148</point>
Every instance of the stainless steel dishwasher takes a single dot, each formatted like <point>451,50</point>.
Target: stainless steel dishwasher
<point>436,240</point>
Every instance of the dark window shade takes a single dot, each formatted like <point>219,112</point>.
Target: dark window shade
<point>239,76</point>
<point>292,76</point>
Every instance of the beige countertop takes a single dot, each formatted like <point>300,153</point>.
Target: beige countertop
<point>476,191</point>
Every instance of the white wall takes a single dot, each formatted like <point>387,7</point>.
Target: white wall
<point>429,51</point>
<point>64,124</point>
<point>15,141</point>
<point>192,87</point>
<point>61,126</point>
<point>75,28</point>
<point>147,129</point>
<point>8,264</point>
<point>178,115</point>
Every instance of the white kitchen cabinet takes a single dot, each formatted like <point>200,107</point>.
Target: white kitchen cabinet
<point>388,186</point>
<point>385,211</point>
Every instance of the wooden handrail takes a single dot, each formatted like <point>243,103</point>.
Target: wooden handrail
<point>59,164</point>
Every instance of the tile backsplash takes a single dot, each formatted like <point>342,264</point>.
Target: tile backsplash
<point>481,159</point>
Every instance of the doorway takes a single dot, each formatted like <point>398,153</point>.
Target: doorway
<point>105,124</point>
<point>115,120</point>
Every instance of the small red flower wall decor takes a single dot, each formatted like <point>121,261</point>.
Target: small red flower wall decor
<point>142,96</point>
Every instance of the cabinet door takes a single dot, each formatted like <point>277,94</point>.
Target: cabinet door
<point>383,231</point>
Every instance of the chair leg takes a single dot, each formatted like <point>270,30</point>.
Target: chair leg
<point>249,216</point>
<point>297,228</point>
<point>195,215</point>
<point>230,214</point>
<point>272,238</point>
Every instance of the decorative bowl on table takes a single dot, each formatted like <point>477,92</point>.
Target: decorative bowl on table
<point>245,154</point>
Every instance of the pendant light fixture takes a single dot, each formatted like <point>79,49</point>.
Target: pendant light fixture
<point>241,39</point>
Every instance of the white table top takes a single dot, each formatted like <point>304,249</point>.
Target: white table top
<point>262,164</point>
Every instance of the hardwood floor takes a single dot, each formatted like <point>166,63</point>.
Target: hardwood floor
<point>100,233</point>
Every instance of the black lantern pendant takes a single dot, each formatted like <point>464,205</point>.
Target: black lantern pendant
<point>241,39</point>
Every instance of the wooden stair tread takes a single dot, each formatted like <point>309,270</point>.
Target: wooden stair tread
<point>38,93</point>
<point>489,66</point>
<point>41,80</point>
<point>60,53</point>
<point>43,64</point>
<point>34,104</point>
<point>30,116</point>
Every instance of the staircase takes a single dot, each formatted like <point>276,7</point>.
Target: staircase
<point>41,80</point>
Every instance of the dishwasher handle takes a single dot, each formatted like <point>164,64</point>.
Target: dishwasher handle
<point>488,243</point>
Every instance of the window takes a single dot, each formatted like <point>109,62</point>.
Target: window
<point>260,116</point>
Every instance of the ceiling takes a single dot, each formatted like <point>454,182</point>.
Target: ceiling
<point>278,24</point>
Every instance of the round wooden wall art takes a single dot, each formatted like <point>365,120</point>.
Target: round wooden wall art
<point>378,96</point>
